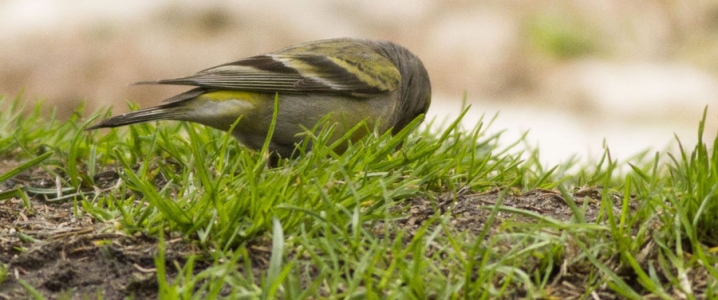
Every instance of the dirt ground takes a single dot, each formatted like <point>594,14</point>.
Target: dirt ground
<point>69,258</point>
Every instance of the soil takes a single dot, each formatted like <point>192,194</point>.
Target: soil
<point>62,256</point>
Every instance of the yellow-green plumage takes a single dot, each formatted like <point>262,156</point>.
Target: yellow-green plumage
<point>350,80</point>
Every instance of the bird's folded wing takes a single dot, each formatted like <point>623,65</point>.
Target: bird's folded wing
<point>359,74</point>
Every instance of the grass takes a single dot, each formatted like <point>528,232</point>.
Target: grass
<point>421,214</point>
<point>561,36</point>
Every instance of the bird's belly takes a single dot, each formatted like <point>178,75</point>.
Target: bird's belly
<point>296,114</point>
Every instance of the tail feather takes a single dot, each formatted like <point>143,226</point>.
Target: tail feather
<point>172,110</point>
<point>163,112</point>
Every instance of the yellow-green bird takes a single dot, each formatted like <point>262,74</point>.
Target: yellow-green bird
<point>349,79</point>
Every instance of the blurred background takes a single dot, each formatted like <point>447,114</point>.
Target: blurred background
<point>572,73</point>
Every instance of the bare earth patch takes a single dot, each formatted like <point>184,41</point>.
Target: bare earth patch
<point>58,254</point>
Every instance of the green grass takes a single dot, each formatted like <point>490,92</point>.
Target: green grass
<point>335,225</point>
<point>561,36</point>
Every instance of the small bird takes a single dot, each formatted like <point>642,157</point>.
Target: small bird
<point>351,80</point>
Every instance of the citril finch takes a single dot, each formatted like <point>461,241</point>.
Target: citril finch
<point>351,80</point>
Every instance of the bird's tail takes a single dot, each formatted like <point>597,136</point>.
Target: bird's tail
<point>163,112</point>
<point>174,109</point>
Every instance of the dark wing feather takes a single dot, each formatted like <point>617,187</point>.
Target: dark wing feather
<point>355,69</point>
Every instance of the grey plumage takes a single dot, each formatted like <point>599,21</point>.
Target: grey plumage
<point>352,79</point>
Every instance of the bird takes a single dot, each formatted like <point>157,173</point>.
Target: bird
<point>346,80</point>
